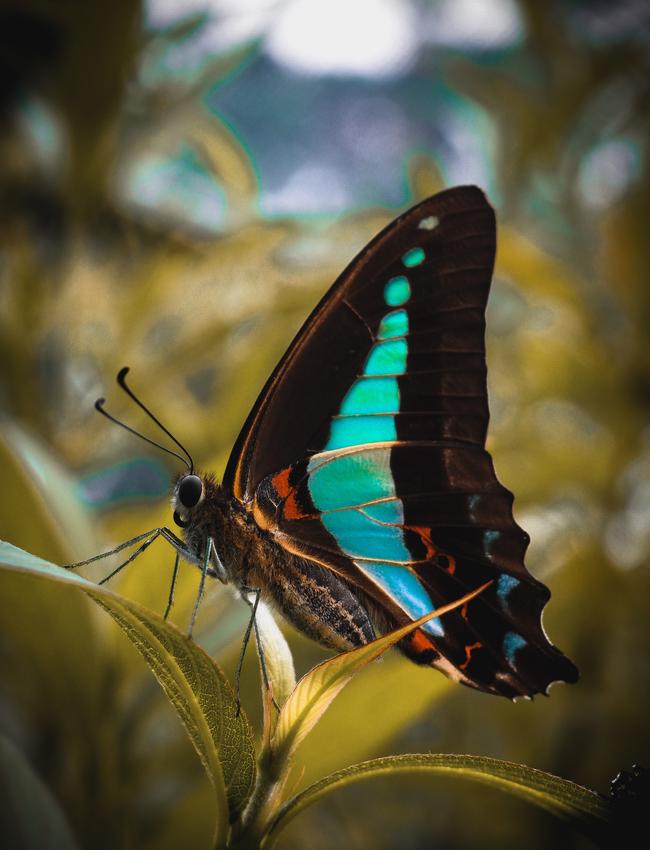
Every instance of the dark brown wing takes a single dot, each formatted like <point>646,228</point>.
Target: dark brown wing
<point>365,451</point>
<point>291,417</point>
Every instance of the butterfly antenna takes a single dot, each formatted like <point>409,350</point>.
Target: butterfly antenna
<point>99,407</point>
<point>121,380</point>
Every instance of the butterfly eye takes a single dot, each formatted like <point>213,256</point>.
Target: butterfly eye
<point>190,490</point>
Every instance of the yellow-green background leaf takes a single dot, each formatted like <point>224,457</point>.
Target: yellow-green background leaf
<point>583,808</point>
<point>194,684</point>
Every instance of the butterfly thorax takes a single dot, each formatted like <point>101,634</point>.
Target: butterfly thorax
<point>311,597</point>
<point>209,518</point>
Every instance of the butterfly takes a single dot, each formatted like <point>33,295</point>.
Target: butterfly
<point>359,494</point>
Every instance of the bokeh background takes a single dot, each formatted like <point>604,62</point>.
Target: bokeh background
<point>179,184</point>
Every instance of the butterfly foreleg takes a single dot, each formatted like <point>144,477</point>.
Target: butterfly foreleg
<point>153,533</point>
<point>148,537</point>
<point>142,548</point>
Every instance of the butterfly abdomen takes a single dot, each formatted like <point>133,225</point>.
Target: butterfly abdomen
<point>318,603</point>
<point>312,598</point>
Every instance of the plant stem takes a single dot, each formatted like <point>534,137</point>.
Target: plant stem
<point>249,831</point>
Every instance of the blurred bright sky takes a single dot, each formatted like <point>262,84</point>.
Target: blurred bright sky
<point>374,38</point>
<point>339,95</point>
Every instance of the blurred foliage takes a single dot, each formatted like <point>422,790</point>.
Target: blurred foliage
<point>200,289</point>
<point>252,805</point>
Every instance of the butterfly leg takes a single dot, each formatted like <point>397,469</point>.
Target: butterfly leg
<point>263,667</point>
<point>172,587</point>
<point>131,557</point>
<point>153,534</point>
<point>148,537</point>
<point>252,624</point>
<point>247,635</point>
<point>209,548</point>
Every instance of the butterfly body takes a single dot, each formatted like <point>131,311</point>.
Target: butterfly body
<point>313,598</point>
<point>359,494</point>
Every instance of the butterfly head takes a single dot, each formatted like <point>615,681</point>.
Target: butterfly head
<point>200,506</point>
<point>194,495</point>
<point>189,493</point>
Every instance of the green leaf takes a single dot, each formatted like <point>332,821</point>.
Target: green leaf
<point>315,691</point>
<point>395,693</point>
<point>38,502</point>
<point>30,817</point>
<point>194,684</point>
<point>582,808</point>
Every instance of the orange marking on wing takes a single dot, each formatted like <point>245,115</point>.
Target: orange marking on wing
<point>290,509</point>
<point>424,534</point>
<point>451,566</point>
<point>468,654</point>
<point>420,642</point>
<point>463,611</point>
<point>281,482</point>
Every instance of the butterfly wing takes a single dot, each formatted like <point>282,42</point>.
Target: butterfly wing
<point>365,451</point>
<point>291,417</point>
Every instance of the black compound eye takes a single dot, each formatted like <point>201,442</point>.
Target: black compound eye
<point>189,491</point>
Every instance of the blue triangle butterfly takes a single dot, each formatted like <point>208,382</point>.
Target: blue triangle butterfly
<point>359,494</point>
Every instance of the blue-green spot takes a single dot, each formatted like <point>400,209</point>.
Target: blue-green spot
<point>372,395</point>
<point>511,643</point>
<point>506,584</point>
<point>351,479</point>
<point>387,358</point>
<point>405,589</point>
<point>392,511</point>
<point>489,539</point>
<point>360,537</point>
<point>414,257</point>
<point>394,324</point>
<point>356,430</point>
<point>397,291</point>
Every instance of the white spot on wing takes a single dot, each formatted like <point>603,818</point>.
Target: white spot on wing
<point>429,223</point>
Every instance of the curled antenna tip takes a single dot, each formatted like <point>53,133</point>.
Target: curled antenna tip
<point>121,375</point>
<point>99,403</point>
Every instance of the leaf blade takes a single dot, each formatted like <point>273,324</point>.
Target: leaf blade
<point>30,816</point>
<point>581,807</point>
<point>198,690</point>
<point>316,690</point>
